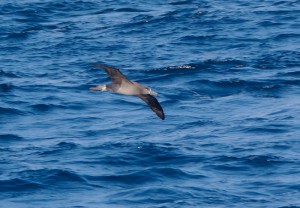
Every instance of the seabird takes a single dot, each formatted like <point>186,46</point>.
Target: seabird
<point>120,84</point>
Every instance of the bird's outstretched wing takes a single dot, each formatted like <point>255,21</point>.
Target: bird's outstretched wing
<point>153,104</point>
<point>116,76</point>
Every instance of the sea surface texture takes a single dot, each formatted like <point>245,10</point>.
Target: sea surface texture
<point>228,78</point>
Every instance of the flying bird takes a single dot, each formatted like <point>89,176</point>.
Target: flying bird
<point>120,84</point>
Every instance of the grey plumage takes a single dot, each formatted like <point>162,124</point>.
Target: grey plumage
<point>120,84</point>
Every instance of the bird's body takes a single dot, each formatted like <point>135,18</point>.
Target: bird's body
<point>120,84</point>
<point>130,89</point>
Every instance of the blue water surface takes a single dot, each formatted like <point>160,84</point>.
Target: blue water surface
<point>228,78</point>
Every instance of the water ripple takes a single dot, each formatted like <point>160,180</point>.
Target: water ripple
<point>227,77</point>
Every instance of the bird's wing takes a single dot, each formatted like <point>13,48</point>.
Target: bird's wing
<point>116,76</point>
<point>153,104</point>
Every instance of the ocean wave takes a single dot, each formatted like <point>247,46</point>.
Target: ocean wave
<point>157,196</point>
<point>267,129</point>
<point>59,148</point>
<point>46,107</point>
<point>8,74</point>
<point>19,185</point>
<point>227,76</point>
<point>11,111</point>
<point>281,59</point>
<point>53,177</point>
<point>5,87</point>
<point>10,137</point>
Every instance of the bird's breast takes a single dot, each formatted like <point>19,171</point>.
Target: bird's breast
<point>128,89</point>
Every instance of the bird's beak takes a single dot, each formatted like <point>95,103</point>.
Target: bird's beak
<point>153,93</point>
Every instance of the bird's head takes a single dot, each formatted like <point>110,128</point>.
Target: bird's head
<point>148,90</point>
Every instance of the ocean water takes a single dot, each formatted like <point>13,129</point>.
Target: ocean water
<point>228,78</point>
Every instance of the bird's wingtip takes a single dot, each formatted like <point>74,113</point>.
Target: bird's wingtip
<point>162,116</point>
<point>97,65</point>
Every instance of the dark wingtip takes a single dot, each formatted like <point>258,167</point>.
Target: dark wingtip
<point>97,65</point>
<point>154,105</point>
<point>162,117</point>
